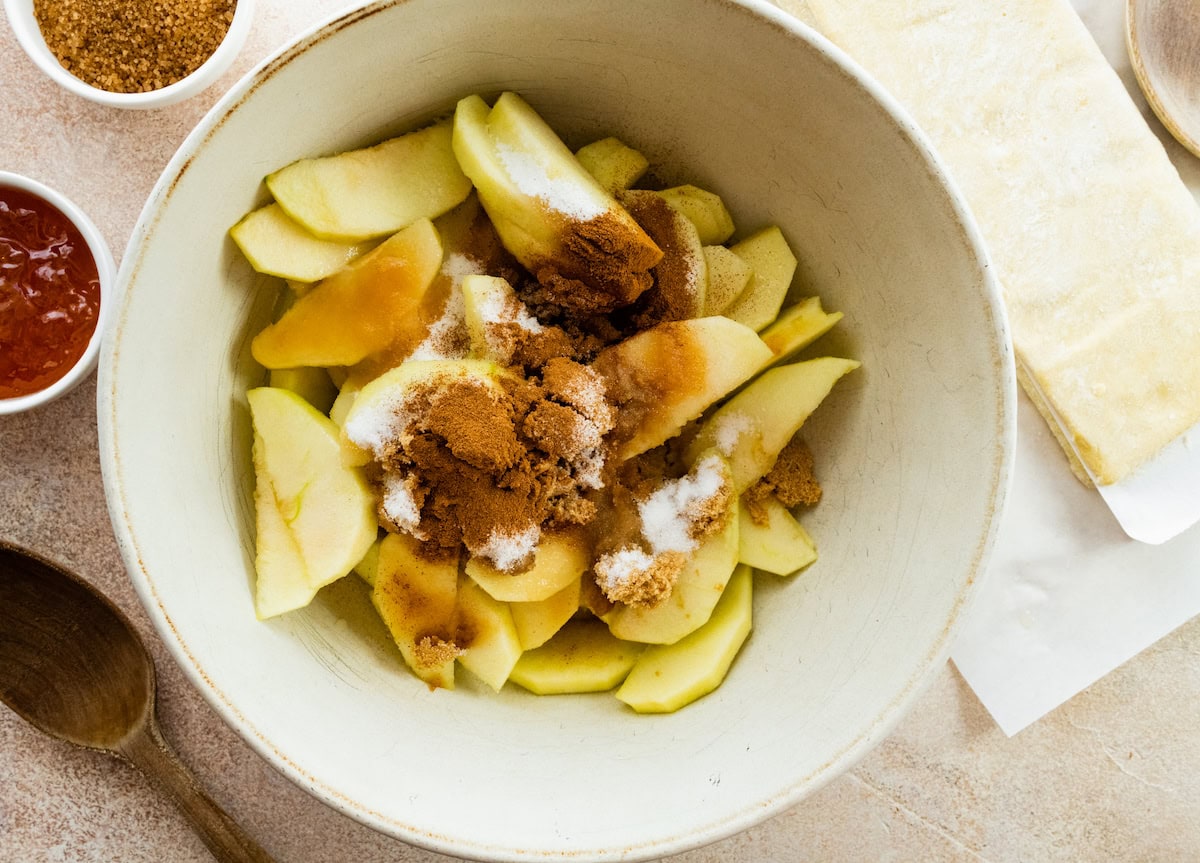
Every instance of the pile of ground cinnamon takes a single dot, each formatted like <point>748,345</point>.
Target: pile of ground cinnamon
<point>133,46</point>
<point>601,266</point>
<point>677,292</point>
<point>490,467</point>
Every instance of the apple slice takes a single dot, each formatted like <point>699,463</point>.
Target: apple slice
<point>696,591</point>
<point>560,559</point>
<point>583,657</point>
<point>753,427</point>
<point>360,309</point>
<point>728,276</point>
<point>487,301</point>
<point>275,244</point>
<point>664,377</point>
<point>668,677</point>
<point>374,191</point>
<point>416,597</point>
<point>342,404</point>
<point>325,512</point>
<point>773,263</point>
<point>372,417</point>
<point>484,297</point>
<point>781,546</point>
<point>703,209</point>
<point>487,635</point>
<point>550,213</point>
<point>537,622</point>
<point>368,568</point>
<point>615,166</point>
<point>311,383</point>
<point>281,577</point>
<point>797,327</point>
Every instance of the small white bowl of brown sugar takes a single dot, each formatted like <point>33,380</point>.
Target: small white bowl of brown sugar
<point>132,53</point>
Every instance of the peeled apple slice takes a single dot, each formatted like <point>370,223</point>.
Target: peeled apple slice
<point>781,546</point>
<point>560,559</point>
<point>277,245</point>
<point>703,209</point>
<point>797,327</point>
<point>664,377</point>
<point>615,166</point>
<point>416,597</point>
<point>487,635</point>
<point>360,309</point>
<point>728,276</point>
<point>668,677</point>
<point>583,657</point>
<point>754,426</point>
<point>537,622</point>
<point>696,592</point>
<point>374,191</point>
<point>773,263</point>
<point>539,197</point>
<point>315,517</point>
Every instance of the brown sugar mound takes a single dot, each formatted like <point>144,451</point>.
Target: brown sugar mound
<point>791,480</point>
<point>671,521</point>
<point>433,651</point>
<point>132,46</point>
<point>645,582</point>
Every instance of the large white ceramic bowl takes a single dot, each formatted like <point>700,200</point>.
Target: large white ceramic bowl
<point>914,449</point>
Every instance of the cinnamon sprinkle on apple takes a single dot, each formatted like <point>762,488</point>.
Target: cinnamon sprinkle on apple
<point>490,465</point>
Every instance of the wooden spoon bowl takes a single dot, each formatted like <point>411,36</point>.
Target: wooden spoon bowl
<point>73,666</point>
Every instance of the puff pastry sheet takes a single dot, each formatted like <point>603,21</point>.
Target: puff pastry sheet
<point>1095,239</point>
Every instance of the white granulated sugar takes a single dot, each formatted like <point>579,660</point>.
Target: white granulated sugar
<point>508,550</point>
<point>586,393</point>
<point>620,567</point>
<point>496,307</point>
<point>492,306</point>
<point>440,344</point>
<point>524,320</point>
<point>562,194</point>
<point>373,429</point>
<point>729,429</point>
<point>667,513</point>
<point>399,504</point>
<point>458,266</point>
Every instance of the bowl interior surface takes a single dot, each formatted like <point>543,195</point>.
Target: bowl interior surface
<point>913,449</point>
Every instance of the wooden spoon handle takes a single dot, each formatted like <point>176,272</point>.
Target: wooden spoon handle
<point>148,751</point>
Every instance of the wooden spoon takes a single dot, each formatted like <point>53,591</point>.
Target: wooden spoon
<point>73,666</point>
<point>1163,38</point>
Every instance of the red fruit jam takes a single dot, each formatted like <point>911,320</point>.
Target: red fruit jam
<point>49,293</point>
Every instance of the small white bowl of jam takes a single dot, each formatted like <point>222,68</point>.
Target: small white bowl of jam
<point>56,279</point>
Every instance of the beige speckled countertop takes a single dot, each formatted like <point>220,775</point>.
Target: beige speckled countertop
<point>1113,774</point>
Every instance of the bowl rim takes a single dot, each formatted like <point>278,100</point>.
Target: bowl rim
<point>29,37</point>
<point>880,727</point>
<point>107,273</point>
